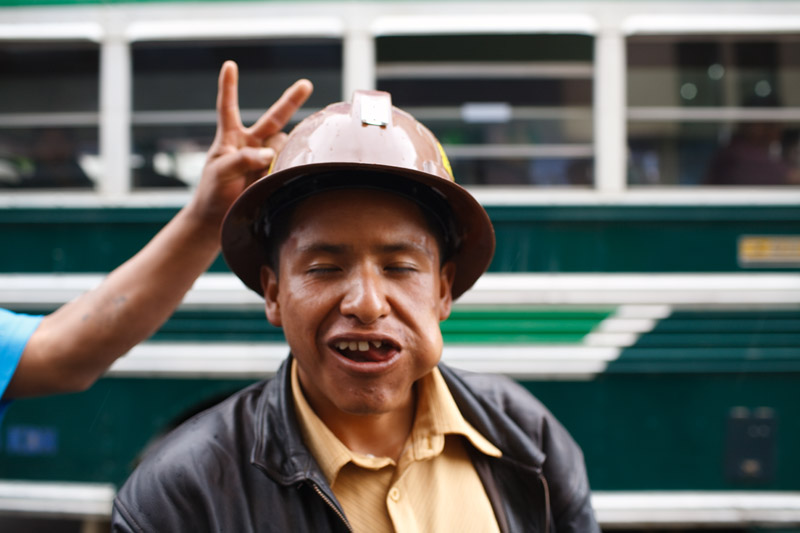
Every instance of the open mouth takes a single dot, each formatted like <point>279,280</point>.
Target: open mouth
<point>362,351</point>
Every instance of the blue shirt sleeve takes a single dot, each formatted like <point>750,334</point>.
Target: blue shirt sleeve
<point>15,330</point>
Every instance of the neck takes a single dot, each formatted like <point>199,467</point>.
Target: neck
<point>381,434</point>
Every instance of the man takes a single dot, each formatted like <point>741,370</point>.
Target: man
<point>360,240</point>
<point>69,349</point>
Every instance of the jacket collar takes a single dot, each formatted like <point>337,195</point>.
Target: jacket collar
<point>279,450</point>
<point>278,447</point>
<point>487,406</point>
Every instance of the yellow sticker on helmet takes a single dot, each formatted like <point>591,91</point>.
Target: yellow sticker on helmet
<point>271,164</point>
<point>445,161</point>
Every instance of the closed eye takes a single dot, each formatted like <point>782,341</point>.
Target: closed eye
<point>401,268</point>
<point>322,269</point>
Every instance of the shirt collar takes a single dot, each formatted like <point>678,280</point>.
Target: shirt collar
<point>437,416</point>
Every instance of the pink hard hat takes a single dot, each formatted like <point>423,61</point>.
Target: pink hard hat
<point>364,144</point>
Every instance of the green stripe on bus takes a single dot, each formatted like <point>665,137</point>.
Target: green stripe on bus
<point>512,338</point>
<point>709,340</point>
<point>480,326</point>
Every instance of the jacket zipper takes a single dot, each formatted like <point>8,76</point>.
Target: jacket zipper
<point>546,503</point>
<point>331,505</point>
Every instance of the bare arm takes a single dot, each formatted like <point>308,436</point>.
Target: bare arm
<point>74,345</point>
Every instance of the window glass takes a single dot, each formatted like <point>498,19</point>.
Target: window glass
<point>713,110</point>
<point>174,96</point>
<point>49,114</point>
<point>509,109</point>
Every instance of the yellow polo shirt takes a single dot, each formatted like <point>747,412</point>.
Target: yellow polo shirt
<point>433,487</point>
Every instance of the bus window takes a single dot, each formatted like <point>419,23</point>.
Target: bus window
<point>509,109</point>
<point>174,94</point>
<point>49,115</point>
<point>713,110</point>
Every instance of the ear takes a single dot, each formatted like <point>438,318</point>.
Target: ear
<point>446,276</point>
<point>269,286</point>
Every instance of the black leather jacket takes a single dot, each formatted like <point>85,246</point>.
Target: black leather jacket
<point>242,467</point>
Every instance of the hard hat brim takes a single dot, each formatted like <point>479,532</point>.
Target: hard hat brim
<point>245,252</point>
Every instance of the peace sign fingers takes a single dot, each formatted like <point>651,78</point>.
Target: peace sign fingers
<point>278,115</point>
<point>229,122</point>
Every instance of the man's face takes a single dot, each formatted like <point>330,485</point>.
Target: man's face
<point>360,294</point>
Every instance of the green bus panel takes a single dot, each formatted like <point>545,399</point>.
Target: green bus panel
<point>673,431</point>
<point>529,239</point>
<point>705,341</point>
<point>670,412</point>
<point>99,435</point>
<point>631,238</point>
<point>638,432</point>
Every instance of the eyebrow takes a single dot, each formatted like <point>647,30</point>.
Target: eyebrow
<point>340,249</point>
<point>319,247</point>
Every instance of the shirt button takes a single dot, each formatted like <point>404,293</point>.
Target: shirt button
<point>394,494</point>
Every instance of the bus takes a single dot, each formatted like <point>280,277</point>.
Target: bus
<point>640,162</point>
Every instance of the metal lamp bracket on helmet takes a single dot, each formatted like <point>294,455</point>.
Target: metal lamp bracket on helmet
<point>376,108</point>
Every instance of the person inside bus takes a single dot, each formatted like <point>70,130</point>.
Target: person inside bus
<point>755,155</point>
<point>758,152</point>
<point>359,240</point>
<point>54,156</point>
<point>69,349</point>
<point>146,175</point>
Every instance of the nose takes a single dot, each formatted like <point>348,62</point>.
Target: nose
<point>364,298</point>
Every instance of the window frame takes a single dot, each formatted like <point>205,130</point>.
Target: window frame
<point>483,24</point>
<point>686,23</point>
<point>116,26</point>
<point>82,32</point>
<point>217,30</point>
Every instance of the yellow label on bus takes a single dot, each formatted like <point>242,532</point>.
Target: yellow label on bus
<point>769,250</point>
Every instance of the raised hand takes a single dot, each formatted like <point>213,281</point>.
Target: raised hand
<point>239,155</point>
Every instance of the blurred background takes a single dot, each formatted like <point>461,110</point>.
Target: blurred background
<point>640,161</point>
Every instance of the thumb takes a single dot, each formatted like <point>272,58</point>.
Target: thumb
<point>251,159</point>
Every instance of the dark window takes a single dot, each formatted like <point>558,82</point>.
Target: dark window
<point>509,109</point>
<point>49,100</point>
<point>713,110</point>
<point>174,95</point>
